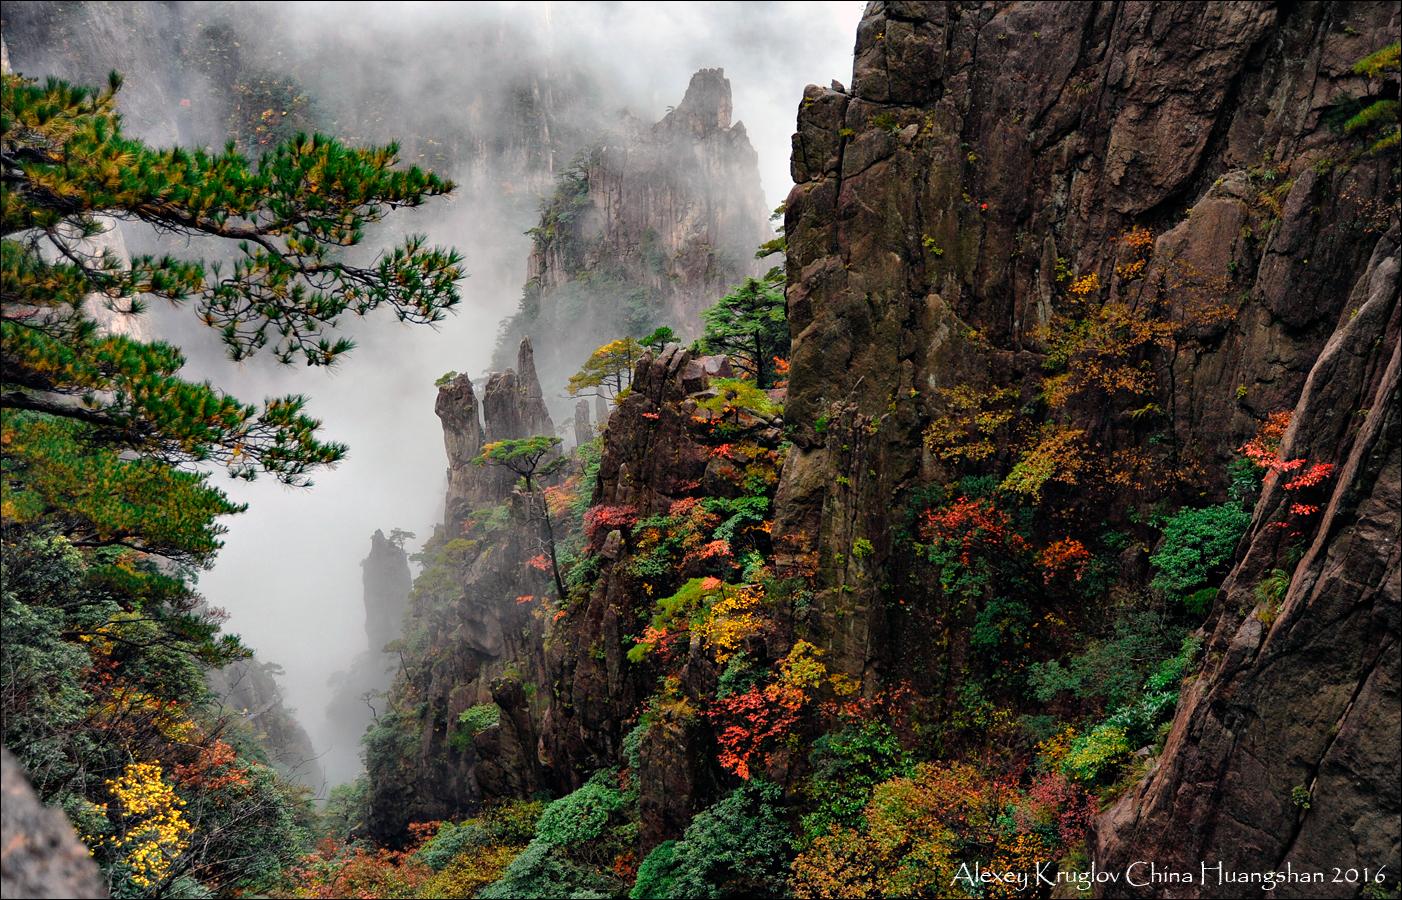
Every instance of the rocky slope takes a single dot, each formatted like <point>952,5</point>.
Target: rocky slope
<point>42,856</point>
<point>248,693</point>
<point>474,624</point>
<point>647,227</point>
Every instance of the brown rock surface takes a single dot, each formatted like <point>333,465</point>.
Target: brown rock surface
<point>980,145</point>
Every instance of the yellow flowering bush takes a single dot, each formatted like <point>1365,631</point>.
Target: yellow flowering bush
<point>153,831</point>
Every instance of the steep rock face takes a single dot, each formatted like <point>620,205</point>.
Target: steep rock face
<point>983,144</point>
<point>1300,694</point>
<point>456,407</point>
<point>475,625</point>
<point>983,148</point>
<point>656,454</point>
<point>583,427</point>
<point>357,693</point>
<point>512,406</point>
<point>41,854</point>
<point>648,227</point>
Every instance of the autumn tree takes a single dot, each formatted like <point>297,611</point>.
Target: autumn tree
<point>608,371</point>
<point>531,459</point>
<point>750,325</point>
<point>102,426</point>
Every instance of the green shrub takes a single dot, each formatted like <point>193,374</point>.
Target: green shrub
<point>737,848</point>
<point>543,871</point>
<point>1096,753</point>
<point>474,721</point>
<point>1196,543</point>
<point>847,765</point>
<point>657,875</point>
<point>451,840</point>
<point>1110,670</point>
<point>583,815</point>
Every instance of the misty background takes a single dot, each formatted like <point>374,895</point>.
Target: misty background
<point>497,96</point>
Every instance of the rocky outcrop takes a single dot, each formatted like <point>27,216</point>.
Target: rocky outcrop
<point>385,574</point>
<point>657,453</point>
<point>357,694</point>
<point>583,428</point>
<point>647,228</point>
<point>476,624</point>
<point>982,143</point>
<point>41,855</point>
<point>512,407</point>
<point>983,147</point>
<point>1284,752</point>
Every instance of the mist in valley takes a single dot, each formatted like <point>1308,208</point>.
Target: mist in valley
<point>498,96</point>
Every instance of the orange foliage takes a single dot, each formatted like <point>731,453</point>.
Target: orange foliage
<point>1067,557</point>
<point>214,768</point>
<point>750,722</point>
<point>336,870</point>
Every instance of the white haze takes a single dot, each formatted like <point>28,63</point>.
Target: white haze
<point>289,573</point>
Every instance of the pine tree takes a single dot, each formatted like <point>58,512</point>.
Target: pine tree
<point>531,459</point>
<point>750,325</point>
<point>83,408</point>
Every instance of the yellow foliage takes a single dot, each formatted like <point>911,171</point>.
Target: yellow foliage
<point>153,832</point>
<point>732,619</point>
<point>1085,286</point>
<point>1053,750</point>
<point>801,669</point>
<point>471,871</point>
<point>967,430</point>
<point>1059,455</point>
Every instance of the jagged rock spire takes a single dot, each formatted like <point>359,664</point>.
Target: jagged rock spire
<point>583,427</point>
<point>705,108</point>
<point>386,582</point>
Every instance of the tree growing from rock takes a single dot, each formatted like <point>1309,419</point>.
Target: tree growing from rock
<point>750,325</point>
<point>531,459</point>
<point>608,371</point>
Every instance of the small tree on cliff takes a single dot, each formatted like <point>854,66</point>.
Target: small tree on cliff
<point>97,426</point>
<point>608,371</point>
<point>531,459</point>
<point>750,325</point>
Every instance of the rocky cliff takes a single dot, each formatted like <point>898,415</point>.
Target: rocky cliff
<point>475,624</point>
<point>987,158</point>
<point>1284,752</point>
<point>1065,282</point>
<point>647,227</point>
<point>249,694</point>
<point>357,697</point>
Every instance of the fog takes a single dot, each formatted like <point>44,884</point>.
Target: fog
<point>449,81</point>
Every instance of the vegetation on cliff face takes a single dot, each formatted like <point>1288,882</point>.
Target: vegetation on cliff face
<point>923,598</point>
<point>982,543</point>
<point>107,511</point>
